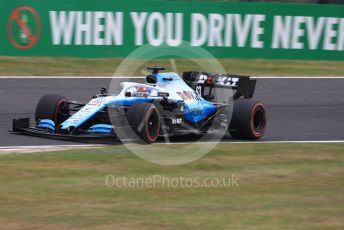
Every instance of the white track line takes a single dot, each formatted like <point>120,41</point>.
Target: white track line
<point>48,146</point>
<point>258,142</point>
<point>172,143</point>
<point>69,77</point>
<point>296,77</point>
<point>137,77</point>
<point>43,148</point>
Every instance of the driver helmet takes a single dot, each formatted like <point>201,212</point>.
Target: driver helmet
<point>141,92</point>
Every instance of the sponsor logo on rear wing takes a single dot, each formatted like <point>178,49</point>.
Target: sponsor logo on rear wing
<point>217,80</point>
<point>243,85</point>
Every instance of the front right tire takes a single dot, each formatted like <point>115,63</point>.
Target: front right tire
<point>53,107</point>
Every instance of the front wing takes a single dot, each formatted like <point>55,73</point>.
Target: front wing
<point>25,127</point>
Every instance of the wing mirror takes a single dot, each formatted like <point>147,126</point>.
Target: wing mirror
<point>164,95</point>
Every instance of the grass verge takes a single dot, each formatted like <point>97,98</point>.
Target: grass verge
<point>281,186</point>
<point>48,66</point>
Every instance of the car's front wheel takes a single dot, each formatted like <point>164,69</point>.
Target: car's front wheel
<point>53,107</point>
<point>145,120</point>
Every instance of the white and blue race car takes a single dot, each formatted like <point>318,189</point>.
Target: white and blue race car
<point>166,104</point>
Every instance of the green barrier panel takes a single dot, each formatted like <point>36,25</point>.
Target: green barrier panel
<point>104,28</point>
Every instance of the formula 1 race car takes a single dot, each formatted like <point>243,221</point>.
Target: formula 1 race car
<point>166,104</point>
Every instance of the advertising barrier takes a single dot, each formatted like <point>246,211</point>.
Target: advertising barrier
<point>104,28</point>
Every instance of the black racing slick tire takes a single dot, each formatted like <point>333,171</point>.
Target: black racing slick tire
<point>248,120</point>
<point>145,120</point>
<point>53,107</point>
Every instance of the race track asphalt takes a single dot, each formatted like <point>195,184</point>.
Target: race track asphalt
<point>298,109</point>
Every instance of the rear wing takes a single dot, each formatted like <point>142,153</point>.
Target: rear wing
<point>198,81</point>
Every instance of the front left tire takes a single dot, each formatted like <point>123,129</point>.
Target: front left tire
<point>145,121</point>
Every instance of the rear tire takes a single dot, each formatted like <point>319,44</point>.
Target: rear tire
<point>53,107</point>
<point>248,120</point>
<point>145,120</point>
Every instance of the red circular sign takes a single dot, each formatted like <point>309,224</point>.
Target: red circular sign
<point>15,18</point>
